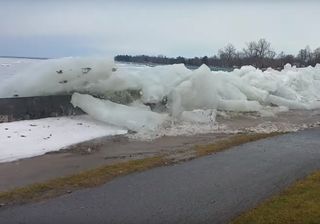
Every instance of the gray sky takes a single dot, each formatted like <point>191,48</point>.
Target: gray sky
<point>178,27</point>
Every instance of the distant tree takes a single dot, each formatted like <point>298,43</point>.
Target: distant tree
<point>180,60</point>
<point>263,49</point>
<point>316,56</point>
<point>250,50</point>
<point>281,59</point>
<point>259,53</point>
<point>227,55</point>
<point>204,60</point>
<point>227,52</point>
<point>304,56</point>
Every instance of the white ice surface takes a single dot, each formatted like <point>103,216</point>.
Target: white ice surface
<point>57,76</point>
<point>23,139</point>
<point>9,67</point>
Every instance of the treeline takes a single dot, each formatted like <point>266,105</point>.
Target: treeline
<point>257,53</point>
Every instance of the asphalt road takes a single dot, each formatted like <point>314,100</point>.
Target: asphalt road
<point>212,189</point>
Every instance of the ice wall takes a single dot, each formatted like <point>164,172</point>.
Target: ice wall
<point>173,88</point>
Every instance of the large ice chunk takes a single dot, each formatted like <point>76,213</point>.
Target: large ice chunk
<point>129,117</point>
<point>198,92</point>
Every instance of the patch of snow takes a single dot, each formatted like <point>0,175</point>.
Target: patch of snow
<point>23,139</point>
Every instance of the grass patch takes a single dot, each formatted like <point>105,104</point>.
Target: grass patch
<point>230,142</point>
<point>299,204</point>
<point>101,175</point>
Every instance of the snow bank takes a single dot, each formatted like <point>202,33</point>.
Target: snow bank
<point>23,139</point>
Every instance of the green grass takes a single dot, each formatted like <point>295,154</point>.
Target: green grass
<point>101,175</point>
<point>299,204</point>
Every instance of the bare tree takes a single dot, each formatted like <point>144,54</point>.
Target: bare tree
<point>316,56</point>
<point>304,56</point>
<point>259,53</point>
<point>250,51</point>
<point>228,51</point>
<point>263,49</point>
<point>227,54</point>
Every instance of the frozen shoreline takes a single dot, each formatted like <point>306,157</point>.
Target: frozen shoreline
<point>184,102</point>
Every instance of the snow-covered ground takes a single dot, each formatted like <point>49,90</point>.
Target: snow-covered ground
<point>23,139</point>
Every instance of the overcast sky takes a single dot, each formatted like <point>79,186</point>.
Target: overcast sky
<point>189,28</point>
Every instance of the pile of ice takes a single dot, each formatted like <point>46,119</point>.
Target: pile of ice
<point>172,93</point>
